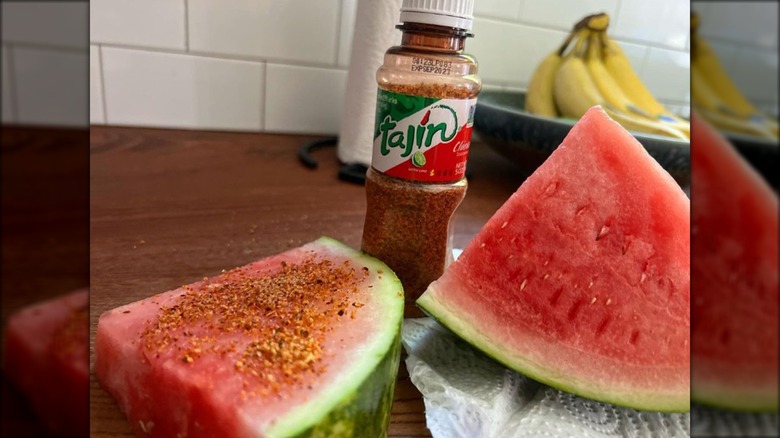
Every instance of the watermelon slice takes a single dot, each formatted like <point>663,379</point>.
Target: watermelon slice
<point>581,279</point>
<point>734,270</point>
<point>47,358</point>
<point>303,343</point>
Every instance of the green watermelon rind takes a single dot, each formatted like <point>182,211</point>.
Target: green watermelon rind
<point>429,304</point>
<point>360,404</point>
<point>366,410</point>
<point>735,400</point>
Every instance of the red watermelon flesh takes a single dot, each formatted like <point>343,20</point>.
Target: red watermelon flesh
<point>47,358</point>
<point>306,341</point>
<point>581,279</point>
<point>734,273</point>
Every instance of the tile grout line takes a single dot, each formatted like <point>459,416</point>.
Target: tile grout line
<point>44,46</point>
<point>533,25</point>
<point>641,71</point>
<point>263,105</point>
<point>223,57</point>
<point>518,12</point>
<point>339,30</point>
<point>629,40</point>
<point>738,44</point>
<point>102,85</point>
<point>618,10</point>
<point>12,83</point>
<point>186,25</point>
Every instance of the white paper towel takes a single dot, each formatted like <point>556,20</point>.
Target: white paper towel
<point>469,395</point>
<point>375,32</point>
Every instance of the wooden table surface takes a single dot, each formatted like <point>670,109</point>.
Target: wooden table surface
<point>45,234</point>
<point>170,207</point>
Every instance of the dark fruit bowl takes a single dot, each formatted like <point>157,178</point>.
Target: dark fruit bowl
<point>761,153</point>
<point>528,139</point>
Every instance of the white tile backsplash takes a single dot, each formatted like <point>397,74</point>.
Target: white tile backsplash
<point>756,74</point>
<point>8,110</point>
<point>348,14</point>
<point>119,22</point>
<point>744,36</point>
<point>261,64</point>
<point>96,112</point>
<point>661,73</point>
<point>656,22</point>
<point>727,55</point>
<point>304,99</point>
<point>636,54</point>
<point>247,64</point>
<point>183,91</point>
<point>501,9</point>
<point>57,24</point>
<point>44,98</point>
<point>508,53</point>
<point>291,30</point>
<point>562,14</point>
<point>752,23</point>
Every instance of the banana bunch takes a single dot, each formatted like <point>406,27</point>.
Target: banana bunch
<point>717,99</point>
<point>591,69</point>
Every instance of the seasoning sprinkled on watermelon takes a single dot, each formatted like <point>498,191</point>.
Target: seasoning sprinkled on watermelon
<point>305,342</point>
<point>287,326</point>
<point>581,279</point>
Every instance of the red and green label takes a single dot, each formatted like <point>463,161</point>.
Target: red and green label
<point>422,138</point>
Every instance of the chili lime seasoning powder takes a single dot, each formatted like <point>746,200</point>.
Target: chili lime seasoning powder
<point>284,316</point>
<point>425,109</point>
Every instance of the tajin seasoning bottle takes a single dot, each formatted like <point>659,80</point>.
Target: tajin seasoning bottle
<point>424,115</point>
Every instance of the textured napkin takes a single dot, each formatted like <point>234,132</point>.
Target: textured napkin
<point>469,395</point>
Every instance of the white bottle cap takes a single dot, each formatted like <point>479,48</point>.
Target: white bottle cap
<point>449,13</point>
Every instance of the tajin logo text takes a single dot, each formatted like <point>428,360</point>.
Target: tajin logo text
<point>417,136</point>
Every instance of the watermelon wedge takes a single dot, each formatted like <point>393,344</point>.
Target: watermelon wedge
<point>303,343</point>
<point>581,279</point>
<point>734,273</point>
<point>47,358</point>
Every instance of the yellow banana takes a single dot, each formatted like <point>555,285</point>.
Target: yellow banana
<point>733,102</point>
<point>573,89</point>
<point>605,83</point>
<point>712,71</point>
<point>629,114</point>
<point>619,67</point>
<point>580,80</point>
<point>704,97</point>
<point>641,124</point>
<point>598,22</point>
<point>679,124</point>
<point>539,97</point>
<point>736,124</point>
<point>719,100</point>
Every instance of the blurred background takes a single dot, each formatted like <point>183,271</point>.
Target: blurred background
<point>744,36</point>
<point>45,214</point>
<point>45,63</point>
